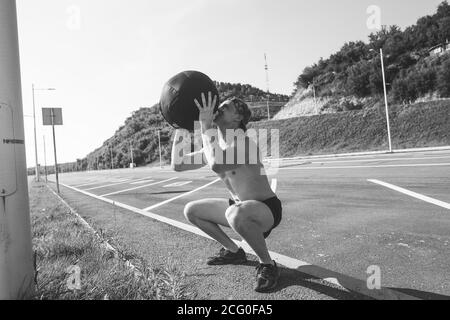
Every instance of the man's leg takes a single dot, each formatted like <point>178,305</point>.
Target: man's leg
<point>207,215</point>
<point>250,219</point>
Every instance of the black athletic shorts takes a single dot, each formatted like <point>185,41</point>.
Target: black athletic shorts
<point>274,205</point>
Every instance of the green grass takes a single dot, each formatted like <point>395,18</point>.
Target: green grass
<point>60,241</point>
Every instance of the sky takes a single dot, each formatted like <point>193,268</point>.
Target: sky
<point>108,58</point>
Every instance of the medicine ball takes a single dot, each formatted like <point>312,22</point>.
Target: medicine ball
<point>177,104</point>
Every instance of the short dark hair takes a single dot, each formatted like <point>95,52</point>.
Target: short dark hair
<point>243,109</point>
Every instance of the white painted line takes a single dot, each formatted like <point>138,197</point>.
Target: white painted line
<point>412,194</point>
<point>274,184</point>
<point>376,159</point>
<point>135,188</point>
<point>114,184</point>
<point>177,184</point>
<point>367,153</point>
<point>85,184</point>
<point>180,196</point>
<point>361,167</point>
<point>142,182</point>
<point>345,281</point>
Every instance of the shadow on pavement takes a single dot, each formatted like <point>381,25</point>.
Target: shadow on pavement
<point>292,277</point>
<point>168,192</point>
<point>423,295</point>
<point>295,277</point>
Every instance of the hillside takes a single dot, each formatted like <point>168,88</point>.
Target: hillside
<point>417,64</point>
<point>418,125</point>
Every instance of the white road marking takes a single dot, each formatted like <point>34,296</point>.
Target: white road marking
<point>177,184</point>
<point>85,184</point>
<point>412,194</point>
<point>378,166</point>
<point>383,159</point>
<point>365,154</point>
<point>114,184</point>
<point>274,184</point>
<point>135,188</point>
<point>180,196</point>
<point>97,182</point>
<point>142,182</point>
<point>342,280</point>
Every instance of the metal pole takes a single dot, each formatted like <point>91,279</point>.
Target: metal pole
<point>16,255</point>
<point>386,102</point>
<point>112,165</point>
<point>159,142</point>
<point>35,138</point>
<point>45,162</point>
<point>131,151</point>
<point>267,82</point>
<point>314,91</point>
<point>54,150</point>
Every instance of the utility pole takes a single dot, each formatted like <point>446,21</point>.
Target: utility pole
<point>267,83</point>
<point>45,163</point>
<point>16,255</point>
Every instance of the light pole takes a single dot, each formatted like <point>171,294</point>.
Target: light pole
<point>45,163</point>
<point>268,90</point>
<point>131,152</point>
<point>33,89</point>
<point>385,99</point>
<point>112,165</point>
<point>159,143</point>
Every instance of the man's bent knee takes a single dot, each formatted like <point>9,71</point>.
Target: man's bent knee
<point>237,218</point>
<point>190,211</point>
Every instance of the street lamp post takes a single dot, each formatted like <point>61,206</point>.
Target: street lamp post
<point>159,143</point>
<point>385,99</point>
<point>33,89</point>
<point>45,163</point>
<point>132,158</point>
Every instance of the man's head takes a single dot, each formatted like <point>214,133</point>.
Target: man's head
<point>233,114</point>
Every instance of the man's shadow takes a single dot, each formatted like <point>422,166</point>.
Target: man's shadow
<point>302,277</point>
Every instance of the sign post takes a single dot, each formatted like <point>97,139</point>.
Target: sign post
<point>53,117</point>
<point>16,255</point>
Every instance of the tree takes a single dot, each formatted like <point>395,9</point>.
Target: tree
<point>358,81</point>
<point>444,79</point>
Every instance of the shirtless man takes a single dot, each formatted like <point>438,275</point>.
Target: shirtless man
<point>254,210</point>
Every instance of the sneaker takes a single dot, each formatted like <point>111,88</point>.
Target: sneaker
<point>227,257</point>
<point>267,276</point>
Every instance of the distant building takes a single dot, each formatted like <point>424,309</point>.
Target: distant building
<point>440,49</point>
